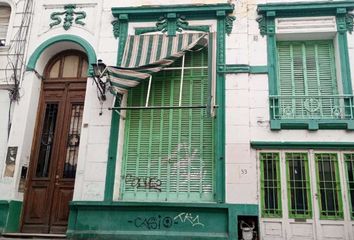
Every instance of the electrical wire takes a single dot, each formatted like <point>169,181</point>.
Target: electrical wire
<point>16,66</point>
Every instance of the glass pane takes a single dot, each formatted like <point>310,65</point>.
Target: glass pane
<point>328,185</point>
<point>270,185</point>
<point>72,150</point>
<point>47,138</point>
<point>349,160</point>
<point>84,69</point>
<point>5,12</point>
<point>298,185</point>
<point>54,71</point>
<point>71,65</point>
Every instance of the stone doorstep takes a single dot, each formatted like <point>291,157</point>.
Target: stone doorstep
<point>32,236</point>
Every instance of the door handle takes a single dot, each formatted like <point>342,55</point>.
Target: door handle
<point>56,180</point>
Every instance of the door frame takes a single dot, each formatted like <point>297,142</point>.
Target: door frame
<point>54,84</point>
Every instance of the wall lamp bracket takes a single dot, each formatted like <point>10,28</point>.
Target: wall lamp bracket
<point>99,73</point>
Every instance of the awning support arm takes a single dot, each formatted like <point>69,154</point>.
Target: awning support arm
<point>148,93</point>
<point>181,85</point>
<point>160,107</point>
<point>119,113</point>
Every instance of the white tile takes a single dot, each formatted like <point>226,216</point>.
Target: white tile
<point>237,40</point>
<point>237,134</point>
<point>99,134</point>
<point>246,173</point>
<point>259,117</point>
<point>242,56</point>
<point>259,99</point>
<point>258,82</point>
<point>100,117</point>
<point>237,116</point>
<point>109,58</point>
<point>241,193</point>
<point>238,81</point>
<point>231,41</point>
<point>231,55</point>
<point>97,153</point>
<point>238,153</point>
<point>93,191</point>
<point>106,44</point>
<point>231,172</point>
<point>237,98</point>
<point>240,24</point>
<point>257,51</point>
<point>95,172</point>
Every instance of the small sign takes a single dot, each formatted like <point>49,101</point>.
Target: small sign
<point>10,161</point>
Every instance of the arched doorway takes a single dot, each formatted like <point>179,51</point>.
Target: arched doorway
<point>55,148</point>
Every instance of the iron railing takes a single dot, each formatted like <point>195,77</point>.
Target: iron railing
<point>312,107</point>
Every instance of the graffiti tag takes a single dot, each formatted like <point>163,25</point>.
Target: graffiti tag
<point>143,182</point>
<point>152,223</point>
<point>188,217</point>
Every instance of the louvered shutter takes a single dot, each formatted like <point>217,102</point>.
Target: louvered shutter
<point>5,12</point>
<point>307,79</point>
<point>168,154</point>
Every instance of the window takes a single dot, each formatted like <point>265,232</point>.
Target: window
<point>270,185</point>
<point>169,153</point>
<point>299,194</point>
<point>307,81</point>
<point>328,186</point>
<point>349,163</point>
<point>5,12</point>
<point>308,65</point>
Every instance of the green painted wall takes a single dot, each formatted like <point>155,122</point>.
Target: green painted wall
<point>10,212</point>
<point>132,220</point>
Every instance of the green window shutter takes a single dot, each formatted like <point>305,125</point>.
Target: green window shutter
<point>168,153</point>
<point>307,79</point>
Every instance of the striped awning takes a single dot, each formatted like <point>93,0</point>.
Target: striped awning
<point>147,54</point>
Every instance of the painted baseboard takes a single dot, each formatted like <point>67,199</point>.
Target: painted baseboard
<point>133,220</point>
<point>10,211</point>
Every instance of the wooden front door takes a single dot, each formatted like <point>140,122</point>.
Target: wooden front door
<point>55,148</point>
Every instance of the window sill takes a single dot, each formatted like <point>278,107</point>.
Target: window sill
<point>312,125</point>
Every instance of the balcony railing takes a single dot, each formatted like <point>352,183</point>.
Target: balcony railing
<point>339,107</point>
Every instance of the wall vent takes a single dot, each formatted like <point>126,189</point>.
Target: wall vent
<point>306,24</point>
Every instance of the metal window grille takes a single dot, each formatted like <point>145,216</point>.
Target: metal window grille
<point>328,186</point>
<point>349,163</point>
<point>270,185</point>
<point>299,194</point>
<point>73,141</point>
<point>47,139</point>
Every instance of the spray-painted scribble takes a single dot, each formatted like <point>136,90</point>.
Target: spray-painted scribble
<point>153,223</point>
<point>187,163</point>
<point>143,182</point>
<point>188,217</point>
<point>166,222</point>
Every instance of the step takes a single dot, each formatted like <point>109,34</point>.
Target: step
<point>32,236</point>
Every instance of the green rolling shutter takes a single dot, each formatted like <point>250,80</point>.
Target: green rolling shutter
<point>307,79</point>
<point>168,153</point>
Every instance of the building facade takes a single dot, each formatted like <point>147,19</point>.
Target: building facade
<point>210,119</point>
<point>15,23</point>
